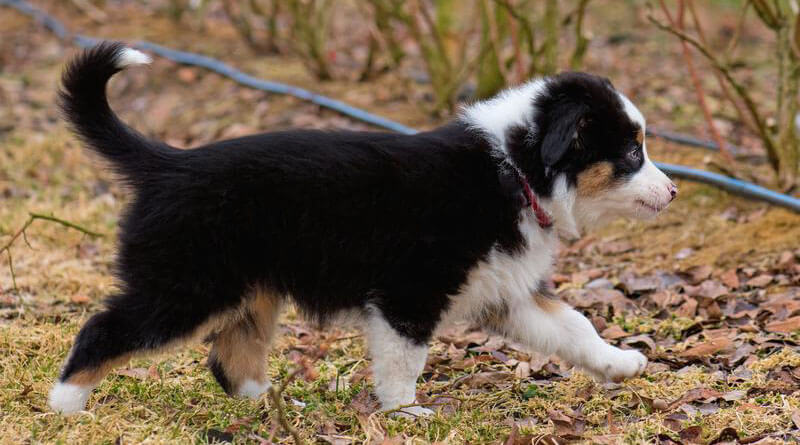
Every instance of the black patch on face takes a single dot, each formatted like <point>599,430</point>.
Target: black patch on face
<point>579,120</point>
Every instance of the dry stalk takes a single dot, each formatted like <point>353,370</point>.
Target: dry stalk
<point>21,232</point>
<point>741,90</point>
<point>677,22</point>
<point>736,102</point>
<point>280,411</point>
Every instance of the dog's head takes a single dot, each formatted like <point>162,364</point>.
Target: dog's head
<point>581,146</point>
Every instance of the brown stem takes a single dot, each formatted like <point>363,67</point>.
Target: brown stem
<point>277,403</point>
<point>677,22</point>
<point>550,44</point>
<point>581,41</point>
<point>21,232</point>
<point>527,31</point>
<point>519,66</point>
<point>743,116</point>
<point>741,90</point>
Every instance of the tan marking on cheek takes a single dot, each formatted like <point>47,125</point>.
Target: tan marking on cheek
<point>596,179</point>
<point>640,136</point>
<point>547,302</point>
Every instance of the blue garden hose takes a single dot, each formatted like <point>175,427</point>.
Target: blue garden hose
<point>731,185</point>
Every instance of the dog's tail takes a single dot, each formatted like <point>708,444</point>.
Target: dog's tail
<point>84,105</point>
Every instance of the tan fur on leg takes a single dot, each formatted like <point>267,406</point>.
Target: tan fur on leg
<point>548,302</point>
<point>93,376</point>
<point>240,349</point>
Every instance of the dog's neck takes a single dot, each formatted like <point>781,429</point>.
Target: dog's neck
<point>494,119</point>
<point>510,108</point>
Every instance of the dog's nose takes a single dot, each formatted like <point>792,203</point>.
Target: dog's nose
<point>673,190</point>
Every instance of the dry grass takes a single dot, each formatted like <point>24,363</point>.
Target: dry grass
<point>63,276</point>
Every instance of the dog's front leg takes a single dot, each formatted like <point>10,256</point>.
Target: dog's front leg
<point>550,326</point>
<point>397,361</point>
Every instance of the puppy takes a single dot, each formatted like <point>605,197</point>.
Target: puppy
<point>408,232</point>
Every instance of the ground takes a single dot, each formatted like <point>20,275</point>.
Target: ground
<point>710,291</point>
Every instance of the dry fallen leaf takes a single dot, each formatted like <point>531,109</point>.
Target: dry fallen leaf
<point>730,279</point>
<point>614,332</point>
<point>760,281</point>
<point>482,379</point>
<point>786,326</point>
<point>708,347</point>
<point>796,418</point>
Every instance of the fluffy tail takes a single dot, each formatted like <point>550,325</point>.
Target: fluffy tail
<point>84,105</point>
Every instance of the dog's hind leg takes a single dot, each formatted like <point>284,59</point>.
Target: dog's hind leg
<point>131,325</point>
<point>238,357</point>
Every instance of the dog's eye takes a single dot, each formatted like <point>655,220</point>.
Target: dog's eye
<point>635,155</point>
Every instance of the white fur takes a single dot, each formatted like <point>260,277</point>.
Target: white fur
<point>568,334</point>
<point>509,281</point>
<point>396,363</point>
<point>67,398</point>
<point>252,389</point>
<point>633,113</point>
<point>130,56</point>
<point>509,108</point>
<point>562,207</point>
<point>503,277</point>
<point>642,196</point>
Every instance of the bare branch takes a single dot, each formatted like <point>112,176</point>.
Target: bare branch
<point>677,22</point>
<point>723,86</point>
<point>741,90</point>
<point>21,232</point>
<point>277,403</point>
<point>581,41</point>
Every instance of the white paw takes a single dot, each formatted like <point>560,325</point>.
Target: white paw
<point>253,389</point>
<point>412,412</point>
<point>66,398</point>
<point>616,365</point>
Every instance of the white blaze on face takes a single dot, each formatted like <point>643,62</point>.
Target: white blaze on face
<point>649,188</point>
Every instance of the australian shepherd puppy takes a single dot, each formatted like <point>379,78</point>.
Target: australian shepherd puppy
<point>407,232</point>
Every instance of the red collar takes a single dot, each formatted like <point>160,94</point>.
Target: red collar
<point>541,216</point>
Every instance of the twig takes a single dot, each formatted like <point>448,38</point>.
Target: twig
<point>677,22</point>
<point>277,403</point>
<point>526,28</point>
<point>717,75</point>
<point>92,11</point>
<point>581,41</point>
<point>741,90</point>
<point>11,269</point>
<point>515,44</point>
<point>494,38</point>
<point>432,401</point>
<point>66,223</point>
<point>21,232</point>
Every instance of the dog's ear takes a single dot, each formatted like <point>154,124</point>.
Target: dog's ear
<point>564,133</point>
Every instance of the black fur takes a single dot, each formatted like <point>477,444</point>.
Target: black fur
<point>219,374</point>
<point>574,104</point>
<point>338,220</point>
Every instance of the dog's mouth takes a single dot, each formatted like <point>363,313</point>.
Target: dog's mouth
<point>653,208</point>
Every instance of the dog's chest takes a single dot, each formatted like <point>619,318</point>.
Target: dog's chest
<point>502,277</point>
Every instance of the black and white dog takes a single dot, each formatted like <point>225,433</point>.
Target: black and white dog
<point>407,233</point>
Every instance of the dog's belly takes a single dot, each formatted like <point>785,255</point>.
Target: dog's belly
<point>503,278</point>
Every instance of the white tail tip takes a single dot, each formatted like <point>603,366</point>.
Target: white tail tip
<point>130,56</point>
